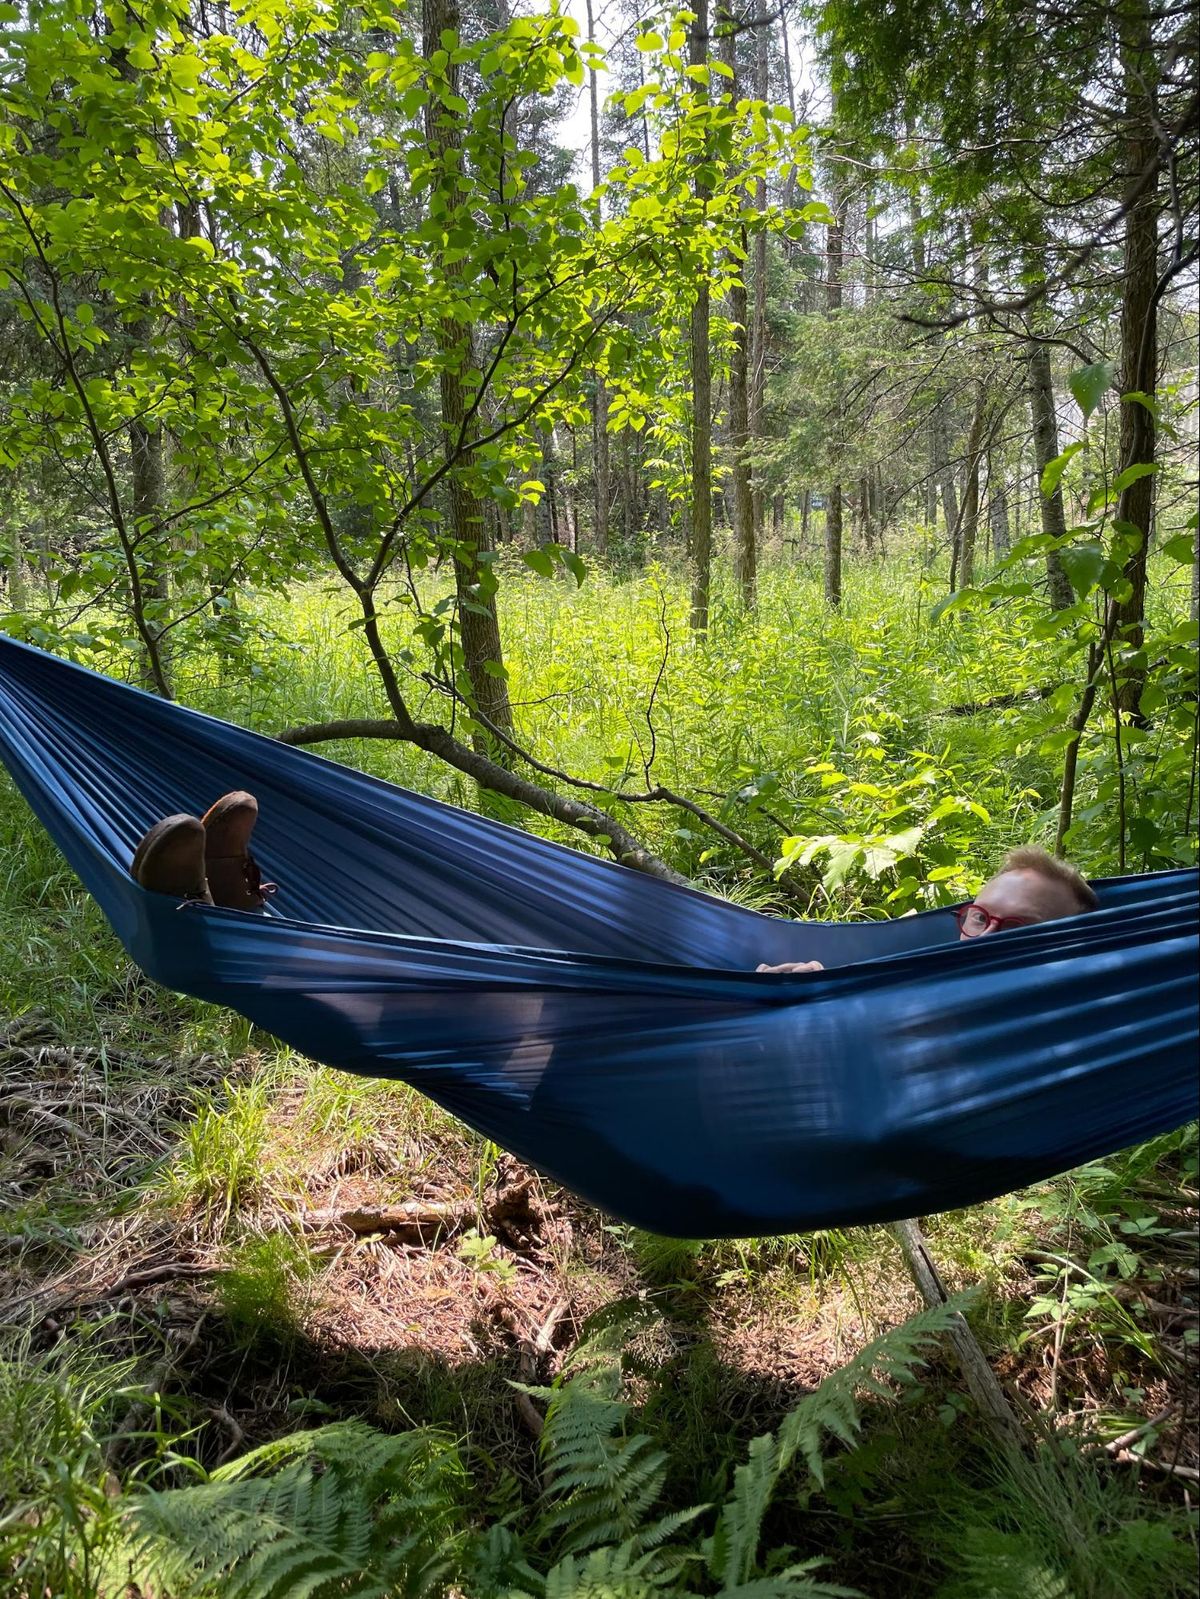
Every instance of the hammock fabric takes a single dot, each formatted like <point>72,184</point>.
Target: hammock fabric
<point>610,1028</point>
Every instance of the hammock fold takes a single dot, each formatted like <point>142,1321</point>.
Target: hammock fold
<point>610,1028</point>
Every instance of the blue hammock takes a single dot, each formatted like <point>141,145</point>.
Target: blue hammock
<point>610,1028</point>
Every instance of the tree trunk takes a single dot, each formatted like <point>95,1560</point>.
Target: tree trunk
<point>805,513</point>
<point>945,476</point>
<point>865,513</point>
<point>601,468</point>
<point>931,480</point>
<point>1045,448</point>
<point>478,622</point>
<point>970,506</point>
<point>701,541</point>
<point>998,514</point>
<point>554,527</point>
<point>148,481</point>
<point>741,508</point>
<point>758,331</point>
<point>833,504</point>
<point>833,546</point>
<point>1139,330</point>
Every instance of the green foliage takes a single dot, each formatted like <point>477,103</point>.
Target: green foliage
<point>340,1510</point>
<point>1055,1527</point>
<point>262,1291</point>
<point>268,248</point>
<point>350,1511</point>
<point>220,1157</point>
<point>59,1516</point>
<point>480,1253</point>
<point>1138,798</point>
<point>1103,1230</point>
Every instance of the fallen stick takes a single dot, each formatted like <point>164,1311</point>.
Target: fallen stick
<point>1132,1436</point>
<point>413,1215</point>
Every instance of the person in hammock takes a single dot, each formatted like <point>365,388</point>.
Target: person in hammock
<point>1032,886</point>
<point>207,858</point>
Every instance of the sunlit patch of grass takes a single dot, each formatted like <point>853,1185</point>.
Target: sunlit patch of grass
<point>221,1161</point>
<point>342,1123</point>
<point>266,1286</point>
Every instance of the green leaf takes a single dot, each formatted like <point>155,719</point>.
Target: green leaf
<point>960,600</point>
<point>540,561</point>
<point>574,564</point>
<point>1145,400</point>
<point>1086,565</point>
<point>1132,474</point>
<point>1052,474</point>
<point>1089,385</point>
<point>1181,548</point>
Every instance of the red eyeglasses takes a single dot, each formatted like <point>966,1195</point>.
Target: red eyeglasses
<point>973,921</point>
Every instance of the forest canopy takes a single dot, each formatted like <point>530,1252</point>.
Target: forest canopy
<point>315,294</point>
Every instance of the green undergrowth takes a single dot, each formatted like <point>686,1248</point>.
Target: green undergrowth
<point>184,1132</point>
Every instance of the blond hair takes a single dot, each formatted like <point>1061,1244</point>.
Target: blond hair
<point>1029,858</point>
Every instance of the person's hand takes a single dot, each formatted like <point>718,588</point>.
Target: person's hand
<point>793,966</point>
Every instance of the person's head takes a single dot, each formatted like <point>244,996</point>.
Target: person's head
<point>1031,886</point>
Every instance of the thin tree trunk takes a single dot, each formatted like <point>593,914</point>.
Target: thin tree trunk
<point>758,331</point>
<point>148,482</point>
<point>833,546</point>
<point>833,504</point>
<point>944,474</point>
<point>479,624</point>
<point>601,467</point>
<point>740,501</point>
<point>701,551</point>
<point>970,506</point>
<point>998,514</point>
<point>1139,330</point>
<point>995,1410</point>
<point>1045,448</point>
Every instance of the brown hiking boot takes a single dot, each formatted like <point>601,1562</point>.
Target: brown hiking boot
<point>170,859</point>
<point>233,874</point>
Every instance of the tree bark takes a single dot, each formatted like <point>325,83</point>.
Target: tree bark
<point>601,464</point>
<point>945,476</point>
<point>740,500</point>
<point>148,492</point>
<point>758,331</point>
<point>701,540</point>
<point>478,622</point>
<point>970,507</point>
<point>1045,448</point>
<point>833,546</point>
<point>833,504</point>
<point>1139,329</point>
<point>994,1408</point>
<point>998,512</point>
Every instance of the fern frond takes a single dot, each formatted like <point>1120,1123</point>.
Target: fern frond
<point>794,1583</point>
<point>732,1551</point>
<point>832,1407</point>
<point>830,1410</point>
<point>341,1510</point>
